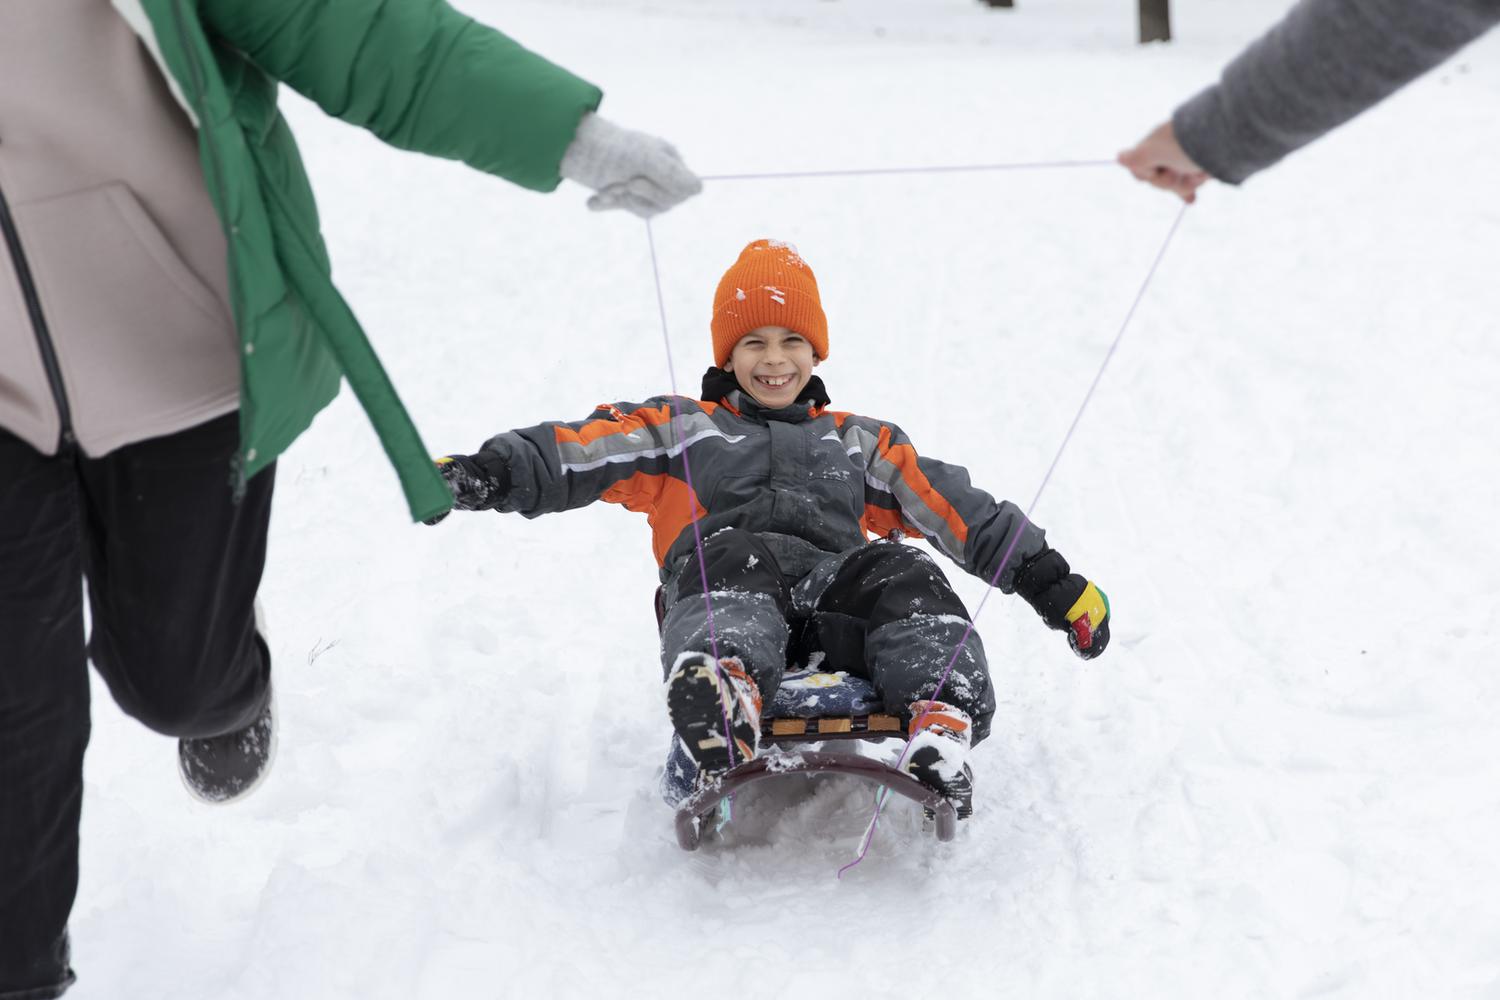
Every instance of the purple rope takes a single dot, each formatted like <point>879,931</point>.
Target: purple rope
<point>1025,520</point>
<point>888,171</point>
<point>687,472</point>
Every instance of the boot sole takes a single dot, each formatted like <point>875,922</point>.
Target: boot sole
<point>695,705</point>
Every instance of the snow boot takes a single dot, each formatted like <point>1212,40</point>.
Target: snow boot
<point>219,769</point>
<point>701,695</point>
<point>937,755</point>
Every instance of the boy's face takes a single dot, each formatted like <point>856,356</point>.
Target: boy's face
<point>773,364</point>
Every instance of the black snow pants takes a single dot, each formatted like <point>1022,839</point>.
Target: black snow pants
<point>883,611</point>
<point>172,565</point>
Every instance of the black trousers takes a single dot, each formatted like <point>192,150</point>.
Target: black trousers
<point>882,611</point>
<point>172,565</point>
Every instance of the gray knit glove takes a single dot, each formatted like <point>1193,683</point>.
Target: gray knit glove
<point>631,170</point>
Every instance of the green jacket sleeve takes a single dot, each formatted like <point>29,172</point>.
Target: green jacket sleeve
<point>418,74</point>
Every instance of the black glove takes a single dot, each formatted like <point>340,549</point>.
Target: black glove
<point>477,482</point>
<point>1066,601</point>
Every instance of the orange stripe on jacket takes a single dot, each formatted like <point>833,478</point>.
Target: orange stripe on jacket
<point>904,457</point>
<point>619,422</point>
<point>880,522</point>
<point>665,500</point>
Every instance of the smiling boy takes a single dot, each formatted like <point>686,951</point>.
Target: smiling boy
<point>773,364</point>
<point>800,511</point>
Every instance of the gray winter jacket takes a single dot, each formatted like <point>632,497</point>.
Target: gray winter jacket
<point>1327,61</point>
<point>808,480</point>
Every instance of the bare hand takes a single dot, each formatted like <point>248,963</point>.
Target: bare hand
<point>1159,160</point>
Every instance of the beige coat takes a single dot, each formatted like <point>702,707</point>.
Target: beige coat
<point>99,166</point>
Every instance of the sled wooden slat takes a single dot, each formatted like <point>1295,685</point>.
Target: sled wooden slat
<point>835,727</point>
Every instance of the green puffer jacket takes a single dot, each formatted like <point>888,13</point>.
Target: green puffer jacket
<point>419,75</point>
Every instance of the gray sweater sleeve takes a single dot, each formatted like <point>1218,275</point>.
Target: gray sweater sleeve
<point>1327,61</point>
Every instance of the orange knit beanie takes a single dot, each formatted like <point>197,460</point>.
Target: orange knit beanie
<point>770,285</point>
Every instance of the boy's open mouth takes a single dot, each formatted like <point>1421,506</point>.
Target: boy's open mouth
<point>773,381</point>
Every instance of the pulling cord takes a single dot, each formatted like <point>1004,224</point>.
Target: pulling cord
<point>1026,519</point>
<point>969,168</point>
<point>680,441</point>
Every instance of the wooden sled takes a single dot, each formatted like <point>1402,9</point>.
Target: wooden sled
<point>801,716</point>
<point>812,706</point>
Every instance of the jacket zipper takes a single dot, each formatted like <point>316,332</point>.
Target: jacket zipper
<point>38,321</point>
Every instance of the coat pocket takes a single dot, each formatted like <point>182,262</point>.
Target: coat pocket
<point>99,249</point>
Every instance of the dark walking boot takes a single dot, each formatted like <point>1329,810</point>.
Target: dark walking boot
<point>219,769</point>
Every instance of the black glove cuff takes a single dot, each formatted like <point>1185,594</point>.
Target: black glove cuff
<point>479,482</point>
<point>1039,573</point>
<point>496,472</point>
<point>1046,584</point>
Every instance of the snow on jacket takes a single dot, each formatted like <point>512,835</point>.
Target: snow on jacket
<point>1324,63</point>
<point>809,480</point>
<point>417,73</point>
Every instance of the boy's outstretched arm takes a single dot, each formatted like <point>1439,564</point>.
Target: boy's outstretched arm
<point>1066,601</point>
<point>993,540</point>
<point>616,455</point>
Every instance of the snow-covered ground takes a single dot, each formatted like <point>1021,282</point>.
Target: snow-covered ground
<point>1281,779</point>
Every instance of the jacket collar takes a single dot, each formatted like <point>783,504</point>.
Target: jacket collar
<point>720,386</point>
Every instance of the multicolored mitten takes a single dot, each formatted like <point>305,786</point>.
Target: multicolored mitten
<point>1088,622</point>
<point>1066,601</point>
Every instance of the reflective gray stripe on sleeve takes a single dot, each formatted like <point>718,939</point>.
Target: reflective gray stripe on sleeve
<point>646,441</point>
